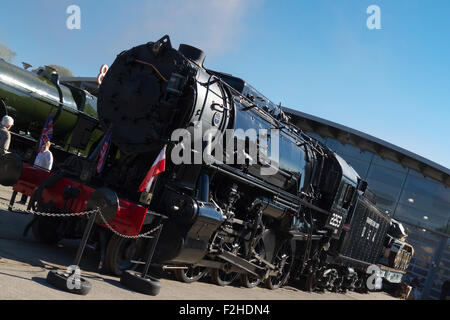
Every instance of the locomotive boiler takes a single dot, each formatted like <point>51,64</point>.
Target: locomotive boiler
<point>290,208</point>
<point>29,97</point>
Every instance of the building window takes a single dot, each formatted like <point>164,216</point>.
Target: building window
<point>388,164</point>
<point>361,167</point>
<point>386,184</point>
<point>348,150</point>
<point>425,203</point>
<point>421,218</point>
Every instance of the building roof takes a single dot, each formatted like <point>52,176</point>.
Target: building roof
<point>366,142</point>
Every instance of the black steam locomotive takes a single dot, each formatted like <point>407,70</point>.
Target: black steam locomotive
<point>311,219</point>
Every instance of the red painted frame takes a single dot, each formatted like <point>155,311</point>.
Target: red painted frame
<point>128,220</point>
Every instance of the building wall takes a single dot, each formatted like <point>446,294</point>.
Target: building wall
<point>421,204</point>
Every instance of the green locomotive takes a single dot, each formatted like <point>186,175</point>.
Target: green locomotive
<point>29,97</point>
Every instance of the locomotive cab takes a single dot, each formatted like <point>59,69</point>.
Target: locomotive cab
<point>344,199</point>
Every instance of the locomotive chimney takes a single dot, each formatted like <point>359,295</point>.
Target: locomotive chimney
<point>192,53</point>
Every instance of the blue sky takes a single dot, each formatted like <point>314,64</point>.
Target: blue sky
<point>317,56</point>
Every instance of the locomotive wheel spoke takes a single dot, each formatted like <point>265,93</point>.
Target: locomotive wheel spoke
<point>191,274</point>
<point>119,253</point>
<point>223,278</point>
<point>250,281</point>
<point>283,261</point>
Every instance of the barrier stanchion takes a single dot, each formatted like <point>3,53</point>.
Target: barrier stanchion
<point>142,282</point>
<point>71,280</point>
<point>13,199</point>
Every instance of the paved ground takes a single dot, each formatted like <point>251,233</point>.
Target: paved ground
<point>24,264</point>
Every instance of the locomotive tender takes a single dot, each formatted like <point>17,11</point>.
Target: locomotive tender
<point>311,219</point>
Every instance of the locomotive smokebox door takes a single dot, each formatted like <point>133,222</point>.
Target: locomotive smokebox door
<point>10,169</point>
<point>107,201</point>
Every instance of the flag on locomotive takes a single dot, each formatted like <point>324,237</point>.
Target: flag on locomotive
<point>103,152</point>
<point>158,166</point>
<point>47,132</point>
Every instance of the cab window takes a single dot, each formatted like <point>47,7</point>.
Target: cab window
<point>346,196</point>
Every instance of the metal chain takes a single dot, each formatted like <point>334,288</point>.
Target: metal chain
<point>48,214</point>
<point>79,214</point>
<point>143,235</point>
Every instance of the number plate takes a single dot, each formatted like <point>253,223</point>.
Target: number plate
<point>393,277</point>
<point>334,221</point>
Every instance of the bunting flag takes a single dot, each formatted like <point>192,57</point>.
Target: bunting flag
<point>103,152</point>
<point>47,131</point>
<point>158,166</point>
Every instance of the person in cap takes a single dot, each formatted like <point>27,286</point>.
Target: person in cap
<point>5,135</point>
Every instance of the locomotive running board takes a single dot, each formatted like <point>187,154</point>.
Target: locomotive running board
<point>348,259</point>
<point>297,235</point>
<point>243,264</point>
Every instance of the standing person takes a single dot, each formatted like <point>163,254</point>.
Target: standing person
<point>44,159</point>
<point>5,136</point>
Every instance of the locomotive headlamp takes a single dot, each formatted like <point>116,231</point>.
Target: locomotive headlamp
<point>105,200</point>
<point>176,84</point>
